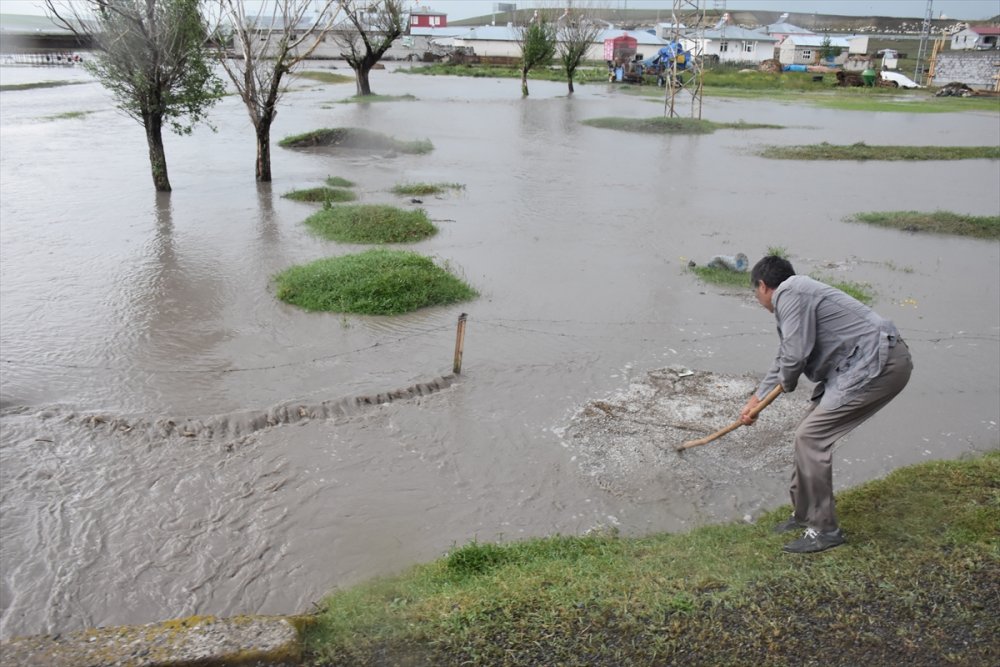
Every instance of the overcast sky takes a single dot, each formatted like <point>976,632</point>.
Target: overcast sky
<point>459,9</point>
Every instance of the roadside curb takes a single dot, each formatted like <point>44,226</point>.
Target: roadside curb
<point>205,641</point>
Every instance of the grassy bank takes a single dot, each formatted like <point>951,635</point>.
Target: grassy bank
<point>425,188</point>
<point>916,584</point>
<point>355,138</point>
<point>38,84</point>
<point>863,151</point>
<point>371,223</point>
<point>938,222</point>
<point>321,195</point>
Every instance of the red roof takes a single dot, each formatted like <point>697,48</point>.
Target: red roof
<point>986,29</point>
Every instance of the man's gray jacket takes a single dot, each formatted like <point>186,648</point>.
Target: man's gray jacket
<point>835,340</point>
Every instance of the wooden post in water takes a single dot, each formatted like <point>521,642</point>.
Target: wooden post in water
<point>459,344</point>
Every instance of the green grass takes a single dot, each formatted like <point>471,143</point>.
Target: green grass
<point>339,182</point>
<point>375,282</point>
<point>425,188</point>
<point>321,195</point>
<point>861,291</point>
<point>722,277</point>
<point>69,115</point>
<point>916,584</point>
<point>326,77</point>
<point>664,125</point>
<point>38,84</point>
<point>378,98</point>
<point>371,223</point>
<point>863,151</point>
<point>938,222</point>
<point>357,138</point>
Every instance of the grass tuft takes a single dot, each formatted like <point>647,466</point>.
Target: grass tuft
<point>723,277</point>
<point>425,188</point>
<point>862,151</point>
<point>665,125</point>
<point>326,77</point>
<point>339,182</point>
<point>376,282</point>
<point>915,584</point>
<point>371,223</point>
<point>365,99</point>
<point>322,195</point>
<point>938,222</point>
<point>354,137</point>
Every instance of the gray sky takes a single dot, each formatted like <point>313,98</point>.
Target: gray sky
<point>459,9</point>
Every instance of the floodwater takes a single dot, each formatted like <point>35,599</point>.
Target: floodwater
<point>119,306</point>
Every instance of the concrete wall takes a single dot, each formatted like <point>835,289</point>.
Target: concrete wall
<point>976,69</point>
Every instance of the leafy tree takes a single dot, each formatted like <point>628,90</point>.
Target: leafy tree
<point>152,57</point>
<point>367,33</point>
<point>537,42</point>
<point>575,36</point>
<point>828,51</point>
<point>269,47</point>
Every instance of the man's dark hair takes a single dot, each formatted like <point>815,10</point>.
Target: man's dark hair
<point>773,270</point>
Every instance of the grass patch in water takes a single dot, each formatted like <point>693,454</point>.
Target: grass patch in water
<point>364,99</point>
<point>665,125</point>
<point>355,137</point>
<point>916,584</point>
<point>321,195</point>
<point>863,151</point>
<point>69,115</point>
<point>38,84</point>
<point>425,188</point>
<point>376,282</point>
<point>939,222</point>
<point>861,291</point>
<point>326,77</point>
<point>339,182</point>
<point>371,223</point>
<point>722,277</point>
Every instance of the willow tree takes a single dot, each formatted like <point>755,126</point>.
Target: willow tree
<point>537,43</point>
<point>151,56</point>
<point>368,30</point>
<point>575,36</point>
<point>269,45</point>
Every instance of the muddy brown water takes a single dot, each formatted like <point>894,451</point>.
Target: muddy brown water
<point>120,307</point>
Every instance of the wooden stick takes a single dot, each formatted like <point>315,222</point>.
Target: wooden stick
<point>459,344</point>
<point>735,425</point>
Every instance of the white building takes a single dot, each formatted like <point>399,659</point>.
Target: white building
<point>808,50</point>
<point>976,38</point>
<point>492,41</point>
<point>733,44</point>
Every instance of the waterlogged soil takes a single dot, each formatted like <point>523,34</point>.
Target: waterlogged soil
<point>174,440</point>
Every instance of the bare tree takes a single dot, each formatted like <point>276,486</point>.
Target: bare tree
<point>369,29</point>
<point>537,42</point>
<point>269,44</point>
<point>575,35</point>
<point>153,59</point>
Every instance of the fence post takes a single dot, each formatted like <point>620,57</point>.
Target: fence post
<point>459,344</point>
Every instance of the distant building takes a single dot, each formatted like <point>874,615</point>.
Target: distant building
<point>808,50</point>
<point>733,44</point>
<point>423,17</point>
<point>976,38</point>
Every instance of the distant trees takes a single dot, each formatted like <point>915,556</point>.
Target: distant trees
<point>537,43</point>
<point>369,29</point>
<point>269,45</point>
<point>575,35</point>
<point>152,57</point>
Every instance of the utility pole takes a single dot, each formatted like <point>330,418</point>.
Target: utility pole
<point>680,91</point>
<point>925,33</point>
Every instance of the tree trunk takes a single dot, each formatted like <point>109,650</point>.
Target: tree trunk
<point>263,170</point>
<point>524,82</point>
<point>153,124</point>
<point>364,87</point>
<point>570,81</point>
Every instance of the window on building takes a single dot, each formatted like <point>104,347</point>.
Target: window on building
<point>748,47</point>
<point>723,46</point>
<point>807,54</point>
<point>435,20</point>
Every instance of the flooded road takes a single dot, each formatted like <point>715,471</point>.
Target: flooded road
<point>120,307</point>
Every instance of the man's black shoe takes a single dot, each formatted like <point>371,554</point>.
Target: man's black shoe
<point>791,523</point>
<point>813,541</point>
